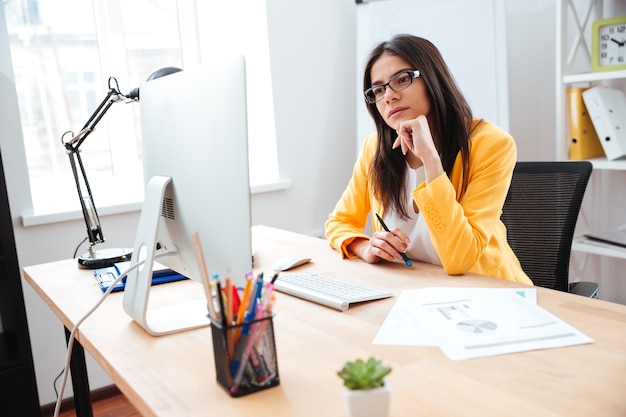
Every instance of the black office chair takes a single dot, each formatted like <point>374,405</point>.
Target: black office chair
<point>540,214</point>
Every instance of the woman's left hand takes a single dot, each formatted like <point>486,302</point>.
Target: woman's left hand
<point>414,136</point>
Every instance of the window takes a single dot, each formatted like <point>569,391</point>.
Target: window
<point>63,63</point>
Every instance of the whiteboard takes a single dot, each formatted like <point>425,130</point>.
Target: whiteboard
<point>470,35</point>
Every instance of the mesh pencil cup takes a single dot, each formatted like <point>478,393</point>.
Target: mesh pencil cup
<point>245,356</point>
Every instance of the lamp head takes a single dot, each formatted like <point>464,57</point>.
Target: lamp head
<point>161,72</point>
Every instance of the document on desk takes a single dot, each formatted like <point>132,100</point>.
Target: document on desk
<point>473,322</point>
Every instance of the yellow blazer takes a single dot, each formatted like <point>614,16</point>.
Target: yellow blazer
<point>467,233</point>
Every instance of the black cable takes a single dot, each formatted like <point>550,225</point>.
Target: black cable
<point>78,247</point>
<point>54,383</point>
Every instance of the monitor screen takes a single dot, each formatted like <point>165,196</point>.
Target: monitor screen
<point>195,155</point>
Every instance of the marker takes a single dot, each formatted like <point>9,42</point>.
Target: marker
<point>238,368</point>
<point>261,371</point>
<point>267,306</point>
<point>245,337</point>
<point>406,259</point>
<point>228,314</point>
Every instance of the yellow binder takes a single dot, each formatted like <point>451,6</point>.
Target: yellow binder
<point>584,142</point>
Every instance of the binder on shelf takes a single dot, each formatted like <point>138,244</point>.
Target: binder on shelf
<point>607,108</point>
<point>584,142</point>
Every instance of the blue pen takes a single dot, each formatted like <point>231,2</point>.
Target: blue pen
<point>245,330</point>
<point>405,258</point>
<point>252,310</point>
<point>245,355</point>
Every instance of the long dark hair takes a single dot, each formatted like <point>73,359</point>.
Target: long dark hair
<point>450,119</point>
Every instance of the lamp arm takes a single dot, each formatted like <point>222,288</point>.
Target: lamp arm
<point>90,214</point>
<point>114,95</point>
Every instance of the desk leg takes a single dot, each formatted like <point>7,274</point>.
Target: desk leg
<point>80,379</point>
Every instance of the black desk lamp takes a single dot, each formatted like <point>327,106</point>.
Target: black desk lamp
<point>103,257</point>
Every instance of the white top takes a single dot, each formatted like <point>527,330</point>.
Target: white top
<point>421,247</point>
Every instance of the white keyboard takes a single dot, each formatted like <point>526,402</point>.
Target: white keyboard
<point>326,290</point>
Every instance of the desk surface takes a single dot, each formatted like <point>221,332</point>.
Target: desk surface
<point>174,375</point>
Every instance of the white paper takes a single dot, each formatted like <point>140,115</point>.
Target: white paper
<point>473,322</point>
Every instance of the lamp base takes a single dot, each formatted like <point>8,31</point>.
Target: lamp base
<point>104,258</point>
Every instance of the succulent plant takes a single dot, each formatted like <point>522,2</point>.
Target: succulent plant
<point>364,375</point>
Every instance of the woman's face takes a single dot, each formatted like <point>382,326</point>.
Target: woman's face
<point>397,106</point>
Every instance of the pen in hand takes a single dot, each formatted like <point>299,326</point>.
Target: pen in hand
<point>405,258</point>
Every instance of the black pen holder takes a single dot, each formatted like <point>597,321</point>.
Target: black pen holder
<point>245,356</point>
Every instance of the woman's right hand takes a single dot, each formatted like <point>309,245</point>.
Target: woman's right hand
<point>383,245</point>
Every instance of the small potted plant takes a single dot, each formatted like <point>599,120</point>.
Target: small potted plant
<point>366,390</point>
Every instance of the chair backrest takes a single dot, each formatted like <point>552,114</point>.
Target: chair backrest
<point>540,214</point>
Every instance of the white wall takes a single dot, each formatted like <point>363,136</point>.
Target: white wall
<point>312,56</point>
<point>531,47</point>
<point>312,47</point>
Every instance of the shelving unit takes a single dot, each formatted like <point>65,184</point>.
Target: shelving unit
<point>18,387</point>
<point>593,76</point>
<point>606,191</point>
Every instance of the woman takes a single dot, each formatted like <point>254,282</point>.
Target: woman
<point>437,176</point>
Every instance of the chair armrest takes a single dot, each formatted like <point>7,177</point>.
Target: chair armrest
<point>586,289</point>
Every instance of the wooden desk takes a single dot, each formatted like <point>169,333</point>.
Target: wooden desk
<point>175,376</point>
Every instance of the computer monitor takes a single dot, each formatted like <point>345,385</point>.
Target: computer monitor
<point>195,156</point>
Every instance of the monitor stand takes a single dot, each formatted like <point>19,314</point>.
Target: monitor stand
<point>159,321</point>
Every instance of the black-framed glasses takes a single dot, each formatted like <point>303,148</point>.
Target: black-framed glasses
<point>398,82</point>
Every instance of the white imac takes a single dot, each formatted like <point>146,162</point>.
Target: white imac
<point>195,156</point>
